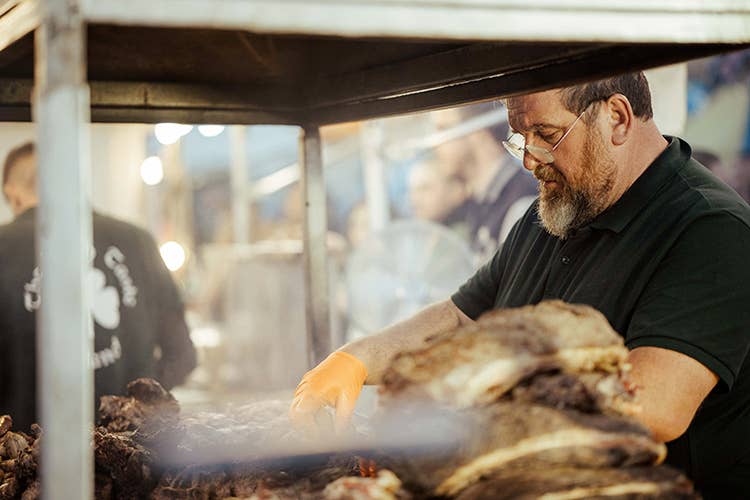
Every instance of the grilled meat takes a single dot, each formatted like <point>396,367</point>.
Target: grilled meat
<point>568,483</point>
<point>509,435</point>
<point>478,364</point>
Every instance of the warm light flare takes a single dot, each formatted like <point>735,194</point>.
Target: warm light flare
<point>173,255</point>
<point>152,171</point>
<point>169,133</point>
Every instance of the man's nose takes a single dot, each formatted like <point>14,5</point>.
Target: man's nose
<point>529,162</point>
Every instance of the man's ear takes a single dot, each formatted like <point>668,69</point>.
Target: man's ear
<point>620,118</point>
<point>10,191</point>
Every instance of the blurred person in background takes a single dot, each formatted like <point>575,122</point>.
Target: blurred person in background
<point>499,189</point>
<point>439,195</point>
<point>742,177</point>
<point>138,315</point>
<point>712,162</point>
<point>357,224</point>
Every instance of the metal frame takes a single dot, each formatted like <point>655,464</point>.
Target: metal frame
<point>64,242</point>
<point>570,20</point>
<point>466,74</point>
<point>315,245</point>
<point>61,108</point>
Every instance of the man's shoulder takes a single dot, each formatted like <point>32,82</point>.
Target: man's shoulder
<point>703,194</point>
<point>113,225</point>
<point>129,238</point>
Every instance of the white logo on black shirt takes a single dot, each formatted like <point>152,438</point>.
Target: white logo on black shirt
<point>108,356</point>
<point>106,301</point>
<point>105,306</point>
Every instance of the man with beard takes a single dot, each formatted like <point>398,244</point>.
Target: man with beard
<point>628,223</point>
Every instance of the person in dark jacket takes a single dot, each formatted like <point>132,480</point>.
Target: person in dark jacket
<point>138,315</point>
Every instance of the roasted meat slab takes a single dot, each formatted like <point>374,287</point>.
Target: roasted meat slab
<point>478,364</point>
<point>568,483</point>
<point>537,388</point>
<point>510,435</point>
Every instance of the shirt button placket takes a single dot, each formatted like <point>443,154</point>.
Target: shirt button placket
<point>565,260</point>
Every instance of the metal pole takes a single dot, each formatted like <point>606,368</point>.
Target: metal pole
<point>64,241</point>
<point>239,183</point>
<point>315,248</point>
<point>376,192</point>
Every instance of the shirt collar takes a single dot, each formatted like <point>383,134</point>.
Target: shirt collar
<point>658,174</point>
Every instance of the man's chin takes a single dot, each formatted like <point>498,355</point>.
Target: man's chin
<point>556,215</point>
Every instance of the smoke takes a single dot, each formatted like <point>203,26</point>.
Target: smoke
<point>261,435</point>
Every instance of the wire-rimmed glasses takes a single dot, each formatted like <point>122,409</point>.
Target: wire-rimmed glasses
<point>517,147</point>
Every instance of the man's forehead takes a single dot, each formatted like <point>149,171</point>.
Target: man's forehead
<point>531,110</point>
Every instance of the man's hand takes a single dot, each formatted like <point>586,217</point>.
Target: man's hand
<point>336,382</point>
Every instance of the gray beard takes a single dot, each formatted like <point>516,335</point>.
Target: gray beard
<point>562,214</point>
<point>567,209</point>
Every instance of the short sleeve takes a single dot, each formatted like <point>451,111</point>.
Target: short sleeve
<point>698,301</point>
<point>478,294</point>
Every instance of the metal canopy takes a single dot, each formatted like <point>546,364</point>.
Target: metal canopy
<point>252,61</point>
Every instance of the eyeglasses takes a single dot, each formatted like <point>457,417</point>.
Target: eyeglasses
<point>516,144</point>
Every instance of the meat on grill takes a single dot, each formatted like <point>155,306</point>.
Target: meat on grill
<point>536,388</point>
<point>19,456</point>
<point>147,407</point>
<point>566,483</point>
<point>478,364</point>
<point>526,403</point>
<point>126,463</point>
<point>509,435</point>
<point>384,486</point>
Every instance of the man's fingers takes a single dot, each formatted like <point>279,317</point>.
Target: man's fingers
<point>300,388</point>
<point>344,410</point>
<point>303,410</point>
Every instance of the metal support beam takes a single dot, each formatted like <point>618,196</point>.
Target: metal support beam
<point>600,62</point>
<point>240,199</point>
<point>64,240</point>
<point>574,20</point>
<point>376,191</point>
<point>144,102</point>
<point>315,247</point>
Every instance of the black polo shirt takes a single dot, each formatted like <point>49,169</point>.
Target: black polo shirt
<point>669,266</point>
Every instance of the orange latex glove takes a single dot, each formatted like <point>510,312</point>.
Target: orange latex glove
<point>337,382</point>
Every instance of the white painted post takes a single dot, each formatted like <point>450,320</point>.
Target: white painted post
<point>64,241</point>
<point>239,183</point>
<point>376,191</point>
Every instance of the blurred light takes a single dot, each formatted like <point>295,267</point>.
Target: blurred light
<point>210,130</point>
<point>206,336</point>
<point>169,133</point>
<point>173,255</point>
<point>152,171</point>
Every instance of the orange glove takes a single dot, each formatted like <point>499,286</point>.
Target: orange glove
<point>336,382</point>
